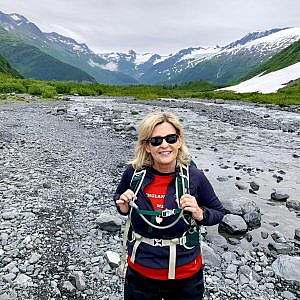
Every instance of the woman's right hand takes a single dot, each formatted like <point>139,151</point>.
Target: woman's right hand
<point>124,200</point>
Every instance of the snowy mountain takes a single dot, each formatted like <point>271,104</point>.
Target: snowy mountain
<point>131,63</point>
<point>268,83</point>
<point>220,65</point>
<point>216,64</point>
<point>227,64</point>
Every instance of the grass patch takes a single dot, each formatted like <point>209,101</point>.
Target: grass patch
<point>201,90</point>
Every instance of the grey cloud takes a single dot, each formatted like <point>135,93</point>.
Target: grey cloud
<point>161,26</point>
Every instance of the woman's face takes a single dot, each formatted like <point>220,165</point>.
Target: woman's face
<point>165,154</point>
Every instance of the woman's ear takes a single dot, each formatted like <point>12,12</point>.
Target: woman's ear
<point>147,148</point>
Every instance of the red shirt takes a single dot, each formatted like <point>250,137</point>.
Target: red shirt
<point>156,192</point>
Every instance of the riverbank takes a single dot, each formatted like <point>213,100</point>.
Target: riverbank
<point>60,163</point>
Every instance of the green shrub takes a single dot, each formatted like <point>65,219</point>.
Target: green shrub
<point>12,87</point>
<point>36,89</point>
<point>49,92</point>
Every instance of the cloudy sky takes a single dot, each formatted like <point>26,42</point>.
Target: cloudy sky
<point>160,26</point>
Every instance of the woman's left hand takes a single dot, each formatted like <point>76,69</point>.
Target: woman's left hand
<point>189,203</point>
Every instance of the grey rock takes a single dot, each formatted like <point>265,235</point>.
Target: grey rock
<point>4,238</point>
<point>108,222</point>
<point>280,248</point>
<point>279,196</point>
<point>233,241</point>
<point>264,234</point>
<point>23,280</point>
<point>231,272</point>
<point>229,256</point>
<point>240,186</point>
<point>240,206</point>
<point>294,204</point>
<point>209,255</point>
<point>278,237</point>
<point>9,215</point>
<point>79,280</point>
<point>233,224</point>
<point>222,178</point>
<point>9,277</point>
<point>288,295</point>
<point>253,219</point>
<point>217,240</point>
<point>254,186</point>
<point>68,286</point>
<point>287,267</point>
<point>248,237</point>
<point>34,258</point>
<point>113,259</point>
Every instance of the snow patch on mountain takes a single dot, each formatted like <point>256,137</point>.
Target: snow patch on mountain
<point>142,58</point>
<point>111,66</point>
<point>200,53</point>
<point>268,83</point>
<point>15,17</point>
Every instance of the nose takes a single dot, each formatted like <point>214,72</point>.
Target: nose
<point>164,143</point>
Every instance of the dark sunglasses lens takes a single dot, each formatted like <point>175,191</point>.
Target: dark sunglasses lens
<point>157,140</point>
<point>171,138</point>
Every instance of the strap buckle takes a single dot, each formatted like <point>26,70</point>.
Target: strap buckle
<point>168,212</point>
<point>157,242</point>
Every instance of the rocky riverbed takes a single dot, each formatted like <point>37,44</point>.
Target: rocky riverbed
<point>60,236</point>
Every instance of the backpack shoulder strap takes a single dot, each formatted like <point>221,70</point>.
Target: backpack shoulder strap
<point>182,182</point>
<point>137,180</point>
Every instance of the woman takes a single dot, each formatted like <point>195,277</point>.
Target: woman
<point>167,198</point>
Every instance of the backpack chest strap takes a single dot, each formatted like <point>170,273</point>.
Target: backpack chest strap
<point>171,243</point>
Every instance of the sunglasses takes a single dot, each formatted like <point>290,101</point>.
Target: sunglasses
<point>157,140</point>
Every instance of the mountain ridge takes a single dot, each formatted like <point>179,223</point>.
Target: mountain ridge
<point>219,65</point>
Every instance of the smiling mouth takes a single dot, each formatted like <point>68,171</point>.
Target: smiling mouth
<point>165,152</point>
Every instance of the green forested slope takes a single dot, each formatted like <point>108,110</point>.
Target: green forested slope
<point>31,62</point>
<point>5,68</point>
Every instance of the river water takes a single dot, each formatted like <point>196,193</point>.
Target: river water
<point>230,151</point>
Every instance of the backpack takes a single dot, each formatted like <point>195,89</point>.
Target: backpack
<point>189,239</point>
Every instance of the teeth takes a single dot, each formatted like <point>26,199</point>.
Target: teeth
<point>166,152</point>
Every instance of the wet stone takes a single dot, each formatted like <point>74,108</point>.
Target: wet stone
<point>294,204</point>
<point>280,248</point>
<point>233,224</point>
<point>279,196</point>
<point>254,186</point>
<point>287,267</point>
<point>278,237</point>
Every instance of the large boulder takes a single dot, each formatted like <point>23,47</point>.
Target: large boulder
<point>233,224</point>
<point>240,206</point>
<point>287,267</point>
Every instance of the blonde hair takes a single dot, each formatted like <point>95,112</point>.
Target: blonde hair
<point>142,158</point>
